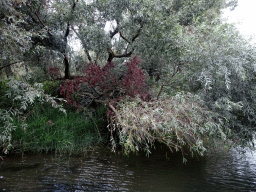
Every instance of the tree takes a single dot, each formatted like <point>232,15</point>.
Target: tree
<point>15,40</point>
<point>182,44</point>
<point>222,71</point>
<point>148,28</point>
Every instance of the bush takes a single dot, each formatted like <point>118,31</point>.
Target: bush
<point>105,83</point>
<point>52,87</point>
<point>6,128</point>
<point>22,98</point>
<point>4,101</point>
<point>178,122</point>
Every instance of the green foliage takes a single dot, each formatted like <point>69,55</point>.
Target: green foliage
<point>6,124</point>
<point>52,87</point>
<point>23,95</point>
<point>4,101</point>
<point>180,122</point>
<point>221,69</point>
<point>183,45</point>
<point>22,98</point>
<point>48,129</point>
<point>6,128</point>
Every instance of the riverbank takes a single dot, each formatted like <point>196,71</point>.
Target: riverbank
<point>46,129</point>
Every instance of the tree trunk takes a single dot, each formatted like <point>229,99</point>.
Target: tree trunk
<point>67,73</point>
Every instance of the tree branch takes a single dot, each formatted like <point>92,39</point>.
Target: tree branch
<point>9,65</point>
<point>115,111</point>
<point>37,15</point>
<point>112,55</point>
<point>138,33</point>
<point>160,91</point>
<point>121,35</point>
<point>83,43</point>
<point>113,33</point>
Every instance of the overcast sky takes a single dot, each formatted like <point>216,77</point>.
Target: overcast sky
<point>244,15</point>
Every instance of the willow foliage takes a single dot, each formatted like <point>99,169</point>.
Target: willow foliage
<point>222,71</point>
<point>181,122</point>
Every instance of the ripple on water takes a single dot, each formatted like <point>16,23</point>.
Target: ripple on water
<point>217,172</point>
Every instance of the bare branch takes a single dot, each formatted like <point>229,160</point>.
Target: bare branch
<point>115,111</point>
<point>160,91</point>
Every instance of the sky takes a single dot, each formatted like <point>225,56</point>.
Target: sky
<point>244,16</point>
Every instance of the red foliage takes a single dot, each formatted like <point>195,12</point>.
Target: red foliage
<point>132,84</point>
<point>135,80</point>
<point>100,77</point>
<point>68,90</point>
<point>54,72</point>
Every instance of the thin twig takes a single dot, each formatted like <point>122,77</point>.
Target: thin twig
<point>160,91</point>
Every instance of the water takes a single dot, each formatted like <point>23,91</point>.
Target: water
<point>218,171</point>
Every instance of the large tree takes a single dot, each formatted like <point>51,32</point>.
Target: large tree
<point>148,28</point>
<point>177,38</point>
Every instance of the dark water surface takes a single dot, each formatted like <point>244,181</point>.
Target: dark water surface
<point>218,171</point>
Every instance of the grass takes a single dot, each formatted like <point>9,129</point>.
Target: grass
<point>48,129</point>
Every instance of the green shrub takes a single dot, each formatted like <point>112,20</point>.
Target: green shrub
<point>51,87</point>
<point>4,101</point>
<point>6,128</point>
<point>22,98</point>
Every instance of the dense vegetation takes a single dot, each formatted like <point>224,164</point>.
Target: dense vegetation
<point>147,72</point>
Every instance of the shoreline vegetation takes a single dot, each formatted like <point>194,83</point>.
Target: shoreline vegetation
<point>147,73</point>
<point>40,125</point>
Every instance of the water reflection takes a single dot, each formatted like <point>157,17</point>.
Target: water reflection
<point>216,172</point>
<point>232,171</point>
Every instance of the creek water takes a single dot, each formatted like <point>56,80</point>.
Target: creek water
<point>217,171</point>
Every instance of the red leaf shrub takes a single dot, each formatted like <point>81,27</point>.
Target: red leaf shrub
<point>69,88</point>
<point>132,84</point>
<point>53,72</point>
<point>135,80</point>
<point>100,77</point>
